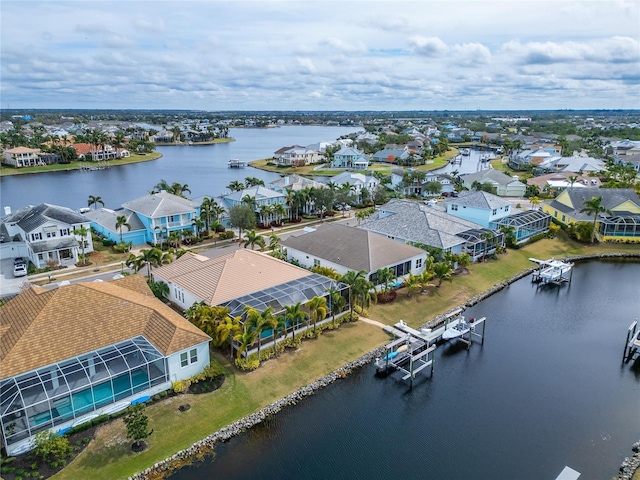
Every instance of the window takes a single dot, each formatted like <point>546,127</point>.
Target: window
<point>179,293</point>
<point>316,262</point>
<point>419,263</point>
<point>454,208</point>
<point>495,211</point>
<point>189,357</point>
<point>36,236</point>
<point>64,232</point>
<point>51,234</point>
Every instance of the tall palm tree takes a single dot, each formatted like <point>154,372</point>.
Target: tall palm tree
<point>179,189</point>
<point>227,330</point>
<point>149,257</point>
<point>198,224</point>
<point>534,201</point>
<point>364,292</point>
<point>251,201</point>
<point>385,276</point>
<point>94,201</point>
<point>572,179</point>
<point>291,201</point>
<point>265,213</point>
<point>82,232</point>
<point>259,322</point>
<point>245,339</point>
<point>294,315</point>
<point>253,181</point>
<point>280,211</point>
<point>121,222</point>
<point>337,303</point>
<point>350,278</point>
<point>317,309</point>
<point>278,325</point>
<point>594,207</point>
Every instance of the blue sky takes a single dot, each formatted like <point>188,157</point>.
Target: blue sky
<point>320,55</point>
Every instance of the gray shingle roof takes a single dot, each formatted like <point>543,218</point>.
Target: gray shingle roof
<point>354,248</point>
<point>479,199</point>
<point>160,205</point>
<point>107,218</point>
<point>54,244</point>
<point>418,223</point>
<point>29,218</point>
<point>258,191</point>
<point>488,174</point>
<point>611,198</point>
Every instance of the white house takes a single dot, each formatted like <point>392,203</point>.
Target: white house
<point>21,157</point>
<point>44,233</point>
<point>503,184</point>
<point>357,181</point>
<point>87,349</point>
<point>345,249</point>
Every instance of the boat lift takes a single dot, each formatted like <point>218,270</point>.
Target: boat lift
<point>632,344</point>
<point>408,355</point>
<point>552,271</point>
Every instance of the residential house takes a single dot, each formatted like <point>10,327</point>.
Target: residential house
<point>480,207</point>
<point>79,351</point>
<point>357,181</point>
<point>622,225</point>
<point>244,278</point>
<point>367,137</point>
<point>389,155</point>
<point>502,184</point>
<point>21,157</point>
<point>44,234</point>
<point>345,249</point>
<point>582,164</point>
<point>260,196</point>
<point>522,159</point>
<point>297,156</point>
<point>152,218</point>
<point>626,152</point>
<point>417,187</point>
<point>350,157</point>
<point>294,182</point>
<point>431,228</point>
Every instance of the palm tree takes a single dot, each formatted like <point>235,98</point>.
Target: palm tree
<point>94,201</point>
<point>385,275</point>
<point>251,201</point>
<point>278,325</point>
<point>252,238</point>
<point>509,234</point>
<point>259,322</point>
<point>236,186</point>
<point>337,303</point>
<point>280,211</point>
<point>227,330</point>
<point>245,339</point>
<point>350,278</point>
<point>594,207</point>
<point>253,181</point>
<point>413,285</point>
<point>82,232</point>
<point>442,271</point>
<point>121,221</point>
<point>317,309</point>
<point>294,315</point>
<point>364,292</point>
<point>274,241</point>
<point>572,179</point>
<point>149,257</point>
<point>534,201</point>
<point>425,278</point>
<point>198,223</point>
<point>265,213</point>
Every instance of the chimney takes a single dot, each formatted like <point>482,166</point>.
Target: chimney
<point>7,210</point>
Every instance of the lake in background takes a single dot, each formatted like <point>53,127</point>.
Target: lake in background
<point>202,167</point>
<point>546,390</point>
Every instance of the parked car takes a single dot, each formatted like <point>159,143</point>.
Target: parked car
<point>19,261</point>
<point>19,270</point>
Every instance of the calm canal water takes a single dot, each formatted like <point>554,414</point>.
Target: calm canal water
<point>203,168</point>
<point>546,390</point>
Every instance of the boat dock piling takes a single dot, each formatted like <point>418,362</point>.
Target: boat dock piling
<point>631,345</point>
<point>408,355</point>
<point>473,331</point>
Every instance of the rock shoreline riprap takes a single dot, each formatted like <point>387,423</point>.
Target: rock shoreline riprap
<point>239,426</point>
<point>630,464</point>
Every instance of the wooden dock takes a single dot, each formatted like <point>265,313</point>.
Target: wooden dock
<point>235,163</point>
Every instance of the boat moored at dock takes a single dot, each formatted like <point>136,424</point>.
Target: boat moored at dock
<point>552,271</point>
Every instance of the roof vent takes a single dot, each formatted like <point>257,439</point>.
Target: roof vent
<point>7,210</point>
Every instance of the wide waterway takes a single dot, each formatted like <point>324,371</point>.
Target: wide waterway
<point>202,167</point>
<point>547,389</point>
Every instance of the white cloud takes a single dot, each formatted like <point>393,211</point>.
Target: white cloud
<point>431,47</point>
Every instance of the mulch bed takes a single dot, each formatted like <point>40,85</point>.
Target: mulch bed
<point>24,463</point>
<point>387,297</point>
<point>207,386</point>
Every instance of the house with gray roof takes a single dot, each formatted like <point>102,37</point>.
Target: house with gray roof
<point>575,164</point>
<point>294,182</point>
<point>429,227</point>
<point>350,157</point>
<point>44,234</point>
<point>345,249</point>
<point>480,207</point>
<point>261,197</point>
<point>152,218</point>
<point>502,184</point>
<point>392,155</point>
<point>357,181</point>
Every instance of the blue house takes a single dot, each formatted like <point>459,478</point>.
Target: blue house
<point>151,218</point>
<point>262,199</point>
<point>350,157</point>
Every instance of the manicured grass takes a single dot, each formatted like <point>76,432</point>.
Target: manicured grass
<point>423,307</point>
<point>108,456</point>
<point>134,158</point>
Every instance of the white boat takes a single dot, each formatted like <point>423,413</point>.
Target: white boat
<point>552,271</point>
<point>457,330</point>
<point>635,340</point>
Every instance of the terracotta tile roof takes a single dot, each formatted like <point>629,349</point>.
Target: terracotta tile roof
<point>17,150</point>
<point>218,280</point>
<point>41,327</point>
<point>83,148</point>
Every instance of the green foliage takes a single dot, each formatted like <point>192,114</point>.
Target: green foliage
<point>51,447</point>
<point>108,243</point>
<point>181,386</point>
<point>247,364</point>
<point>137,423</point>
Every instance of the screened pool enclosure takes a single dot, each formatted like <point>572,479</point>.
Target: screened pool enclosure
<point>61,392</point>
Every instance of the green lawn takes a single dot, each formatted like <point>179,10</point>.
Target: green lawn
<point>135,158</point>
<point>109,456</point>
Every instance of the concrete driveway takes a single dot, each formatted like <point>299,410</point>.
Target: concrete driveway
<point>10,285</point>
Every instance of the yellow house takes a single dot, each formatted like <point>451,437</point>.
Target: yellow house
<point>623,225</point>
